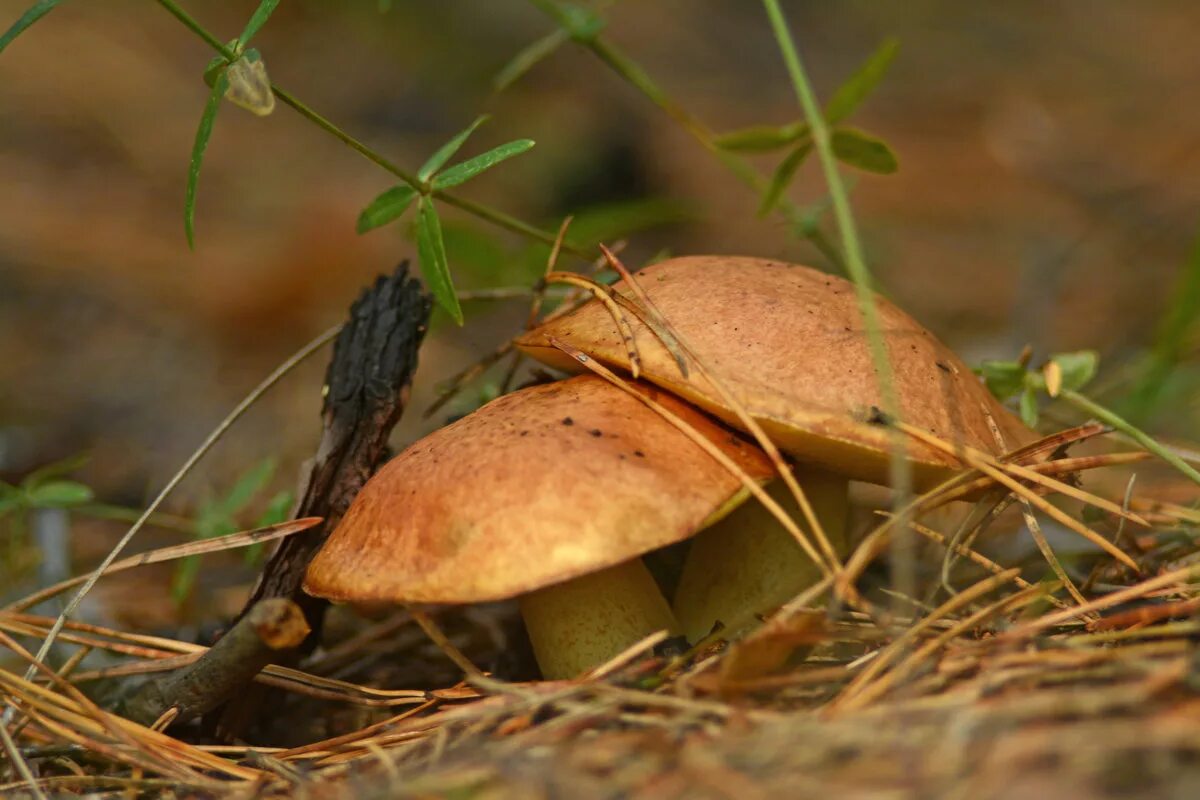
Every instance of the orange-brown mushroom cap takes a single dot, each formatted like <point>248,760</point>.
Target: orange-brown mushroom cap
<point>789,342</point>
<point>537,487</point>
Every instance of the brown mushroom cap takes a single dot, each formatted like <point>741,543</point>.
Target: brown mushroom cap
<point>788,340</point>
<point>537,487</point>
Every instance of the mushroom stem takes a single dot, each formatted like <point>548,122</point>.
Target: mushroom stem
<point>747,564</point>
<point>585,621</point>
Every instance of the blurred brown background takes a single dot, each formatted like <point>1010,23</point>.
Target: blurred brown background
<point>1047,192</point>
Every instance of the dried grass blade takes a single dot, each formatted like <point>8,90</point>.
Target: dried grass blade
<point>909,665</point>
<point>1134,592</point>
<point>751,425</point>
<point>199,547</point>
<point>749,483</point>
<point>850,697</point>
<point>1062,466</point>
<point>605,295</point>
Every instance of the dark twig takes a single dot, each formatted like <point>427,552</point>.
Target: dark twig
<point>366,389</point>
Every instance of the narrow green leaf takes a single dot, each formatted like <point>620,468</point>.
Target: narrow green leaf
<point>431,252</point>
<point>858,86</point>
<point>1094,409</point>
<point>184,579</point>
<point>447,151</point>
<point>1029,406</point>
<point>60,494</point>
<point>762,138</point>
<point>32,15</point>
<point>782,178</point>
<point>248,484</point>
<point>277,510</point>
<point>1182,317</point>
<point>203,132</point>
<point>465,170</point>
<point>528,58</point>
<point>864,151</point>
<point>55,469</point>
<point>386,207</point>
<point>1077,368</point>
<point>10,502</point>
<point>1003,378</point>
<point>257,20</point>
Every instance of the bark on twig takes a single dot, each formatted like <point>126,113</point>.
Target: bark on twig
<point>366,389</point>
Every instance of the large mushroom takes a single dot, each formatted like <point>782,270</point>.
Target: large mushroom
<point>550,495</point>
<point>788,341</point>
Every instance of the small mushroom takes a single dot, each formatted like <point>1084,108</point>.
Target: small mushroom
<point>550,495</point>
<point>788,341</point>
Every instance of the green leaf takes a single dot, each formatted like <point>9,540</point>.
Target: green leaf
<point>203,132</point>
<point>1003,378</point>
<point>55,469</point>
<point>864,151</point>
<point>1078,368</point>
<point>1029,406</point>
<point>32,15</point>
<point>850,94</point>
<point>59,494</point>
<point>447,151</point>
<point>386,207</point>
<point>257,20</point>
<point>248,484</point>
<point>762,138</point>
<point>528,58</point>
<point>11,498</point>
<point>184,579</point>
<point>782,178</point>
<point>278,509</point>
<point>464,171</point>
<point>431,252</point>
<point>1180,322</point>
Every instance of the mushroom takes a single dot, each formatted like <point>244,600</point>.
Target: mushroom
<point>550,495</point>
<point>788,342</point>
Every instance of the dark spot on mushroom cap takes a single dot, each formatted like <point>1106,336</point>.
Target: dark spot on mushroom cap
<point>568,421</point>
<point>639,454</point>
<point>942,366</point>
<point>596,432</point>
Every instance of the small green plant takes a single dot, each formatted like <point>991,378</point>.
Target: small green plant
<point>1062,376</point>
<point>223,515</point>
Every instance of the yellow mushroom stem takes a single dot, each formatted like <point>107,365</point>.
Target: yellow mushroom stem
<point>583,622</point>
<point>746,564</point>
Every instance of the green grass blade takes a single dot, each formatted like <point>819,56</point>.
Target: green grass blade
<point>1182,317</point>
<point>903,567</point>
<point>1091,407</point>
<point>257,20</point>
<point>431,252</point>
<point>858,149</point>
<point>528,58</point>
<point>385,208</point>
<point>247,487</point>
<point>782,178</point>
<point>447,151</point>
<point>203,133</point>
<point>859,86</point>
<point>466,170</point>
<point>35,12</point>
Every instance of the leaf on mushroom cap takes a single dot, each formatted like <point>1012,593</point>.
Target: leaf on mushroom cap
<point>537,487</point>
<point>789,342</point>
